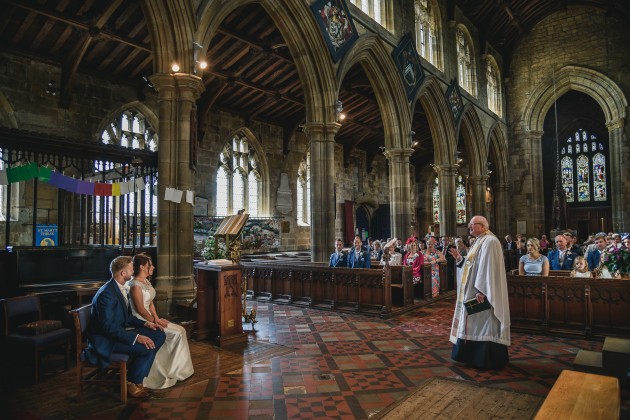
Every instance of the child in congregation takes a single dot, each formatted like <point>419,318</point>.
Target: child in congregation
<point>580,268</point>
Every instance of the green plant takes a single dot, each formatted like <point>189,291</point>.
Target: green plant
<point>617,260</point>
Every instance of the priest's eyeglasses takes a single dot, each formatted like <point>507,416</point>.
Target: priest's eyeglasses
<point>471,224</point>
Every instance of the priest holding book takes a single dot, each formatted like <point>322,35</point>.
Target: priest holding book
<point>481,321</point>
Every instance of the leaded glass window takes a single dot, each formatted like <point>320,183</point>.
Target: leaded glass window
<point>238,178</point>
<point>495,103</point>
<point>584,169</point>
<point>436,201</point>
<point>427,31</point>
<point>599,178</point>
<point>372,8</point>
<point>465,62</point>
<point>304,191</point>
<point>460,193</point>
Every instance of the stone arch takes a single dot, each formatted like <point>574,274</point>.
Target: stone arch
<point>497,145</point>
<point>370,52</point>
<point>137,105</point>
<point>7,113</point>
<point>440,120</point>
<point>262,157</point>
<point>474,140</point>
<point>606,92</point>
<point>304,40</point>
<point>171,38</point>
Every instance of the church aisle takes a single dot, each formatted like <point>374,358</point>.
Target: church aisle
<point>326,365</point>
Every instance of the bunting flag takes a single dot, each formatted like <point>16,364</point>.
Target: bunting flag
<point>101,189</point>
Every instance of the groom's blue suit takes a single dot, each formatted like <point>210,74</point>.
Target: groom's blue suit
<point>113,329</point>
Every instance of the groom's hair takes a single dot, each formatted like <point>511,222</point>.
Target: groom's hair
<point>119,263</point>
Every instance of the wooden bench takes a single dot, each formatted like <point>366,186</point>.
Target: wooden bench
<point>578,395</point>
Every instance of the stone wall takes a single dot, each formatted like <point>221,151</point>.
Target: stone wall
<point>579,36</point>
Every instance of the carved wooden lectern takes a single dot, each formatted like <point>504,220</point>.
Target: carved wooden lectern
<point>219,312</point>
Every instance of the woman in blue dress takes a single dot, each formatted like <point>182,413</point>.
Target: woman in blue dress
<point>534,263</point>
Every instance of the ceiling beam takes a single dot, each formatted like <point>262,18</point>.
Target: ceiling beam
<point>74,59</point>
<point>81,25</point>
<point>253,43</point>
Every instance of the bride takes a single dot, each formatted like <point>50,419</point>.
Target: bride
<point>172,362</point>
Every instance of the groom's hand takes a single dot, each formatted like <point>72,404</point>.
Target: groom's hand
<point>145,341</point>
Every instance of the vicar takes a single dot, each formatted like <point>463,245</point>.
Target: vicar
<point>481,339</point>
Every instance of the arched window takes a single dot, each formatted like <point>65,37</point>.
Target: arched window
<point>131,129</point>
<point>428,31</point>
<point>460,194</point>
<point>460,200</point>
<point>465,61</point>
<point>583,166</point>
<point>436,201</point>
<point>304,192</point>
<point>495,102</point>
<point>376,9</point>
<point>238,178</point>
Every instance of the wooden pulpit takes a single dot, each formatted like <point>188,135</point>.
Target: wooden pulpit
<point>219,307</point>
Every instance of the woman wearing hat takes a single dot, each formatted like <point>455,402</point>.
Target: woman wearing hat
<point>395,258</point>
<point>435,257</point>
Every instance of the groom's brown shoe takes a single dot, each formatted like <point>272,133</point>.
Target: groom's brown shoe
<point>136,391</point>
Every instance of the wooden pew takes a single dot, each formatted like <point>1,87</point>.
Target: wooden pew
<point>373,291</point>
<point>578,395</point>
<point>567,305</point>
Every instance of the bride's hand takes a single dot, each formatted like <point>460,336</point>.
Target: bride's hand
<point>162,322</point>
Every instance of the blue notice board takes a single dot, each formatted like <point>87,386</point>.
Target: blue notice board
<point>46,235</point>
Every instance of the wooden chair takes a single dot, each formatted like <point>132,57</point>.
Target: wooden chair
<point>87,373</point>
<point>18,311</point>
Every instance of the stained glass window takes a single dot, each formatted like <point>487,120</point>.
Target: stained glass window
<point>304,191</point>
<point>599,177</point>
<point>460,194</point>
<point>584,173</point>
<point>582,179</point>
<point>436,201</point>
<point>238,178</point>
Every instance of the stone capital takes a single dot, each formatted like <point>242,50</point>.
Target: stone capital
<point>319,131</point>
<point>616,124</point>
<point>178,86</point>
<point>446,169</point>
<point>398,154</point>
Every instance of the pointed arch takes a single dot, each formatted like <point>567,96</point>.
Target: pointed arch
<point>370,52</point>
<point>148,113</point>
<point>497,146</point>
<point>440,118</point>
<point>474,140</point>
<point>172,27</point>
<point>304,40</point>
<point>598,86</point>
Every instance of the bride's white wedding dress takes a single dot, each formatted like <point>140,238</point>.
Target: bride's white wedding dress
<point>172,362</point>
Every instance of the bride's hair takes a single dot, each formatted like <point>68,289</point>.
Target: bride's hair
<point>139,260</point>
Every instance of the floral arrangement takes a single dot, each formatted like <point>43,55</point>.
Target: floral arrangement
<point>617,260</point>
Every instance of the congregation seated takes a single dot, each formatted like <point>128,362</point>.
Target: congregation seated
<point>534,263</point>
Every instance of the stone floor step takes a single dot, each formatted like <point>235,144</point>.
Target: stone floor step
<point>616,358</point>
<point>588,361</point>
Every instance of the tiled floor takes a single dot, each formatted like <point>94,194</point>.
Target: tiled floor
<point>352,367</point>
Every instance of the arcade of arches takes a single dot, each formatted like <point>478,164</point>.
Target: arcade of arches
<point>261,128</point>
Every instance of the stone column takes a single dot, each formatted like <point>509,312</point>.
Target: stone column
<point>322,139</point>
<point>448,213</point>
<point>502,203</point>
<point>536,210</point>
<point>478,184</point>
<point>616,174</point>
<point>177,94</point>
<point>399,191</point>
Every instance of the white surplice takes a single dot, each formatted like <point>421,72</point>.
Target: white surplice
<point>483,271</point>
<point>172,362</point>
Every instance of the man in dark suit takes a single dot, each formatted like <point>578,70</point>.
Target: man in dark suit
<point>338,258</point>
<point>561,258</point>
<point>594,254</point>
<point>509,243</point>
<point>358,257</point>
<point>113,329</point>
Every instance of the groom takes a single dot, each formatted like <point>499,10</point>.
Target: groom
<point>113,329</point>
